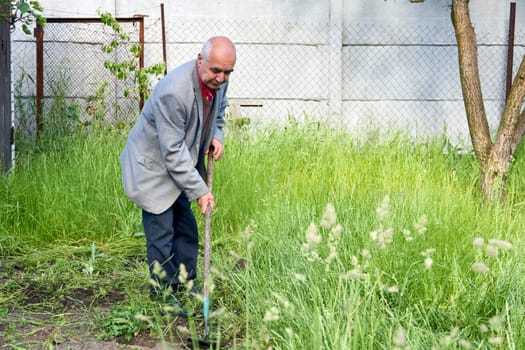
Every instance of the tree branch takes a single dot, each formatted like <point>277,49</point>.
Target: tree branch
<point>511,125</point>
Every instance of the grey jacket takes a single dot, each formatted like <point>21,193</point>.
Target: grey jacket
<point>161,157</point>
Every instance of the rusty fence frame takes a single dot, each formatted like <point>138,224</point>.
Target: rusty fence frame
<point>39,35</point>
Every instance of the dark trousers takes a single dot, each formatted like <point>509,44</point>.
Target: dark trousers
<point>172,239</point>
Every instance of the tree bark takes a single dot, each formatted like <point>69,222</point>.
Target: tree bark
<point>470,82</point>
<point>494,158</point>
<point>519,133</point>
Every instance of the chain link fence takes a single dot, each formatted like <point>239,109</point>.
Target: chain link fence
<point>74,66</point>
<point>408,78</point>
<point>74,74</point>
<point>374,77</point>
<point>23,75</point>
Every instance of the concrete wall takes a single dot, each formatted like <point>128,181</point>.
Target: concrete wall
<point>364,63</point>
<point>261,9</point>
<point>487,14</point>
<point>405,58</point>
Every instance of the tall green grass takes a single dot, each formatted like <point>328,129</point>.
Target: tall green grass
<point>67,192</point>
<point>350,244</point>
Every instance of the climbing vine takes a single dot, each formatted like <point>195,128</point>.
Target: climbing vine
<point>122,70</point>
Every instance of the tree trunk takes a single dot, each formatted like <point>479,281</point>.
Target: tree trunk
<point>470,83</point>
<point>494,158</point>
<point>5,90</point>
<point>494,175</point>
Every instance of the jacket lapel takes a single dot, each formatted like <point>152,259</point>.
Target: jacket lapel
<point>198,97</point>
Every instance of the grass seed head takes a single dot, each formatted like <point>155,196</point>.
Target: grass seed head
<point>400,339</point>
<point>393,289</point>
<point>383,237</point>
<point>329,218</point>
<point>142,317</point>
<point>408,235</point>
<point>464,344</point>
<point>300,277</point>
<point>336,231</point>
<point>450,338</point>
<point>158,270</point>
<point>365,253</point>
<point>428,263</point>
<point>496,323</point>
<point>382,210</point>
<point>283,300</point>
<point>353,274</point>
<point>478,242</point>
<point>313,238</point>
<point>289,331</point>
<point>428,251</point>
<point>183,274</point>
<point>492,250</point>
<point>154,283</point>
<point>480,267</point>
<point>183,330</point>
<point>272,314</point>
<point>495,340</point>
<point>501,244</point>
<point>218,312</point>
<point>421,225</point>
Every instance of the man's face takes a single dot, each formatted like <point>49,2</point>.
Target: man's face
<point>215,69</point>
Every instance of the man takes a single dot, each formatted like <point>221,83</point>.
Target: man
<point>163,160</point>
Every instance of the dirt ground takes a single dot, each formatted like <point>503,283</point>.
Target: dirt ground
<point>68,326</point>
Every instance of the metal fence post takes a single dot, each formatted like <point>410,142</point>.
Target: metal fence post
<point>510,50</point>
<point>336,61</point>
<point>164,55</point>
<point>140,18</point>
<point>39,35</point>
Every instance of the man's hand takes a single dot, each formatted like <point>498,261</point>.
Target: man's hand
<point>204,201</point>
<point>218,149</point>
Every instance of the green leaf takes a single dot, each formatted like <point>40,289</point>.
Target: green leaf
<point>24,7</point>
<point>36,6</point>
<point>26,29</point>
<point>41,21</point>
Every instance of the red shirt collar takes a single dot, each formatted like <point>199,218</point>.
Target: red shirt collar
<point>207,93</point>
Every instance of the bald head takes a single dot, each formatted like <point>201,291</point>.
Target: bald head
<point>218,45</point>
<point>216,60</point>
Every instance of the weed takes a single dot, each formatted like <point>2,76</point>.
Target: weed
<point>129,68</point>
<point>121,321</point>
<point>96,105</point>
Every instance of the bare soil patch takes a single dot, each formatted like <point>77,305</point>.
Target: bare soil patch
<point>46,316</point>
